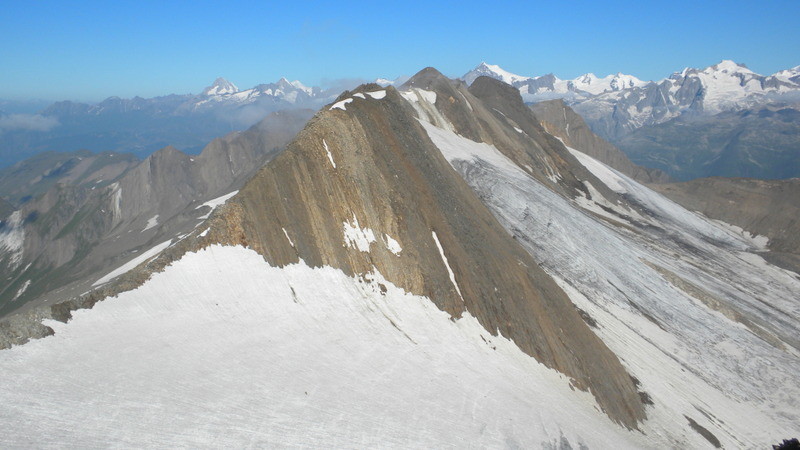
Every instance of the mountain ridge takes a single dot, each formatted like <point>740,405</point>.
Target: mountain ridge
<point>460,195</point>
<point>85,222</point>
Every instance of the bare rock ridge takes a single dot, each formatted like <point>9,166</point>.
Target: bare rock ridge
<point>367,169</point>
<point>560,120</point>
<point>500,118</point>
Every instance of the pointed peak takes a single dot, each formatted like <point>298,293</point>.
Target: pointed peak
<point>727,65</point>
<point>221,86</point>
<point>494,71</point>
<point>424,78</point>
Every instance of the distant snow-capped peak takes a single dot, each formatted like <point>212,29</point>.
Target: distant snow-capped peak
<point>550,86</point>
<point>730,85</point>
<point>728,66</point>
<point>396,82</point>
<point>221,86</point>
<point>297,84</point>
<point>789,75</point>
<point>288,86</point>
<point>225,92</point>
<point>595,85</point>
<point>493,71</point>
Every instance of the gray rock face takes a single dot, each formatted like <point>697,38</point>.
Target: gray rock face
<point>72,233</point>
<point>34,176</point>
<point>560,120</point>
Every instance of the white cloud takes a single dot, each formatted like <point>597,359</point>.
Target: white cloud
<point>27,122</point>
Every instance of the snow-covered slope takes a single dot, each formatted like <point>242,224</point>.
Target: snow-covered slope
<point>236,353</point>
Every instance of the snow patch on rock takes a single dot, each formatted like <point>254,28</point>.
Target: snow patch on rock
<point>377,95</point>
<point>330,156</point>
<point>22,289</point>
<point>287,237</point>
<point>341,104</point>
<point>392,245</point>
<point>357,237</point>
<point>145,256</point>
<point>216,202</point>
<point>151,222</point>
<point>446,264</point>
<point>12,239</point>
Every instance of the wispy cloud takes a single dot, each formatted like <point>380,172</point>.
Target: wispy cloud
<point>27,122</point>
<point>339,85</point>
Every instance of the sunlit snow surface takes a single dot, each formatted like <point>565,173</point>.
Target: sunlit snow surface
<point>664,297</point>
<point>223,350</point>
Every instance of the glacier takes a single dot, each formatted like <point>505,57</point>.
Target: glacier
<point>706,326</point>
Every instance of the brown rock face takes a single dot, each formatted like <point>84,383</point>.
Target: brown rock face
<point>371,170</point>
<point>768,208</point>
<point>560,120</point>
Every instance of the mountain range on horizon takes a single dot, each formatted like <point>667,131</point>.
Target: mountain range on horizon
<point>143,125</point>
<point>740,122</point>
<point>723,120</point>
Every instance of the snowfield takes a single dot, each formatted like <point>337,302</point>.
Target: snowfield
<point>223,350</point>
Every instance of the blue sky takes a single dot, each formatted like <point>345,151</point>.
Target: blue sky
<point>88,50</point>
